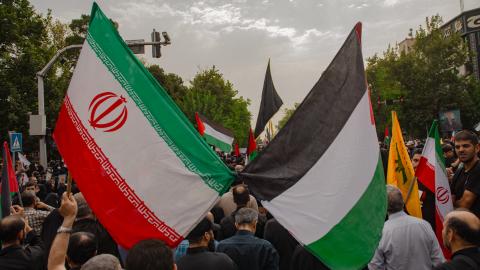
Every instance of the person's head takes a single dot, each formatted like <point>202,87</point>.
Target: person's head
<point>81,247</point>
<point>202,235</point>
<point>461,229</point>
<point>241,195</point>
<point>102,262</point>
<point>417,154</point>
<point>28,198</point>
<point>12,230</point>
<point>238,168</point>
<point>84,210</point>
<point>246,219</point>
<point>150,254</point>
<point>410,144</point>
<point>447,150</point>
<point>395,200</point>
<point>32,187</point>
<point>466,146</point>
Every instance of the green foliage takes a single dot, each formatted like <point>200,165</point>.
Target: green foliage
<point>213,96</point>
<point>171,82</point>
<point>427,79</point>
<point>287,114</point>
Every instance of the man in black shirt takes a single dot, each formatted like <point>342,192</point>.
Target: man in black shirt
<point>246,250</point>
<point>21,247</point>
<point>466,181</point>
<point>199,255</point>
<point>461,235</point>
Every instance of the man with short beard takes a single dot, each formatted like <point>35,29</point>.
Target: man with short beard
<point>200,253</point>
<point>466,181</point>
<point>461,235</point>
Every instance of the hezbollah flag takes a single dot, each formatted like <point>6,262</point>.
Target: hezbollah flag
<point>214,133</point>
<point>400,170</point>
<point>321,176</point>
<point>139,162</point>
<point>8,184</point>
<point>432,174</point>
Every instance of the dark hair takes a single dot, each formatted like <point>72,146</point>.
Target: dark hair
<point>10,226</point>
<point>30,184</point>
<point>28,198</point>
<point>417,151</point>
<point>150,254</point>
<point>197,233</point>
<point>81,247</point>
<point>446,147</point>
<point>241,195</point>
<point>462,229</point>
<point>466,135</point>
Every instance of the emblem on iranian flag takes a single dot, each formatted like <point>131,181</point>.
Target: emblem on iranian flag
<point>108,112</point>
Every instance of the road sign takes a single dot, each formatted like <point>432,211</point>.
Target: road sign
<point>15,142</point>
<point>136,45</point>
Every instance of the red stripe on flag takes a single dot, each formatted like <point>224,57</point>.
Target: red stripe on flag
<point>12,179</point>
<point>438,233</point>
<point>119,209</point>
<point>425,173</point>
<point>200,125</point>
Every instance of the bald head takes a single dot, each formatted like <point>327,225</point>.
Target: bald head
<point>11,228</point>
<point>241,195</point>
<point>461,228</point>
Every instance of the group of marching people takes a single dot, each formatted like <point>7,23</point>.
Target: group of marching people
<point>54,229</point>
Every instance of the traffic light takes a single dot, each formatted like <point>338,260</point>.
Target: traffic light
<point>156,53</point>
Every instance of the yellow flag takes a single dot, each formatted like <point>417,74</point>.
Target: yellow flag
<point>400,171</point>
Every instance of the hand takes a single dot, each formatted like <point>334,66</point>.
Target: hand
<point>449,174</point>
<point>17,210</point>
<point>41,205</point>
<point>69,208</point>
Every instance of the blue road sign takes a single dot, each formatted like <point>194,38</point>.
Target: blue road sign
<point>16,142</point>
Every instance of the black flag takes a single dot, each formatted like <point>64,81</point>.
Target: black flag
<point>270,103</point>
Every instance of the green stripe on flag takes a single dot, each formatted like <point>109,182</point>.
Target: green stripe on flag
<point>225,147</point>
<point>352,242</point>
<point>157,106</point>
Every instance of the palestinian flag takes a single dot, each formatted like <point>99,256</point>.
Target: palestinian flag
<point>386,139</point>
<point>321,176</point>
<point>8,185</point>
<point>432,174</point>
<point>400,171</point>
<point>214,133</point>
<point>139,162</point>
<point>270,103</point>
<point>252,147</point>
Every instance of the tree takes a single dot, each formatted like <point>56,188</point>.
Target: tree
<point>172,83</point>
<point>424,81</point>
<point>287,114</point>
<point>213,96</point>
<point>24,51</point>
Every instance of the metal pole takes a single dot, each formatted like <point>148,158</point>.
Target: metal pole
<point>462,6</point>
<point>41,100</point>
<point>41,111</point>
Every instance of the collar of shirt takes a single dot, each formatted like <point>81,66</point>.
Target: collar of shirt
<point>467,251</point>
<point>396,215</point>
<point>245,232</point>
<point>196,250</point>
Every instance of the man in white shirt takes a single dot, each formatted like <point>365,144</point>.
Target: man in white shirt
<point>407,242</point>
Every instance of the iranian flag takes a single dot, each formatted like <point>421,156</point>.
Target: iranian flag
<point>321,176</point>
<point>139,162</point>
<point>215,134</point>
<point>432,174</point>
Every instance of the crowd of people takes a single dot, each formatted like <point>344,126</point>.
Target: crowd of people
<point>54,229</point>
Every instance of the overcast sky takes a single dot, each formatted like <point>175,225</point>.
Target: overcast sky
<point>299,36</point>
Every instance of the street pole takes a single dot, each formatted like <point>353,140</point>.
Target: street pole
<point>41,99</point>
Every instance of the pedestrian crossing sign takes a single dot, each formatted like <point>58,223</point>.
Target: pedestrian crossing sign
<point>15,142</point>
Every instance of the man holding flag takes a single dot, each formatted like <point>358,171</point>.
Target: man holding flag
<point>400,170</point>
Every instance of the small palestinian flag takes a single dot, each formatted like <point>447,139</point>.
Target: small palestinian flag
<point>8,185</point>
<point>321,176</point>
<point>140,163</point>
<point>215,134</point>
<point>252,147</point>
